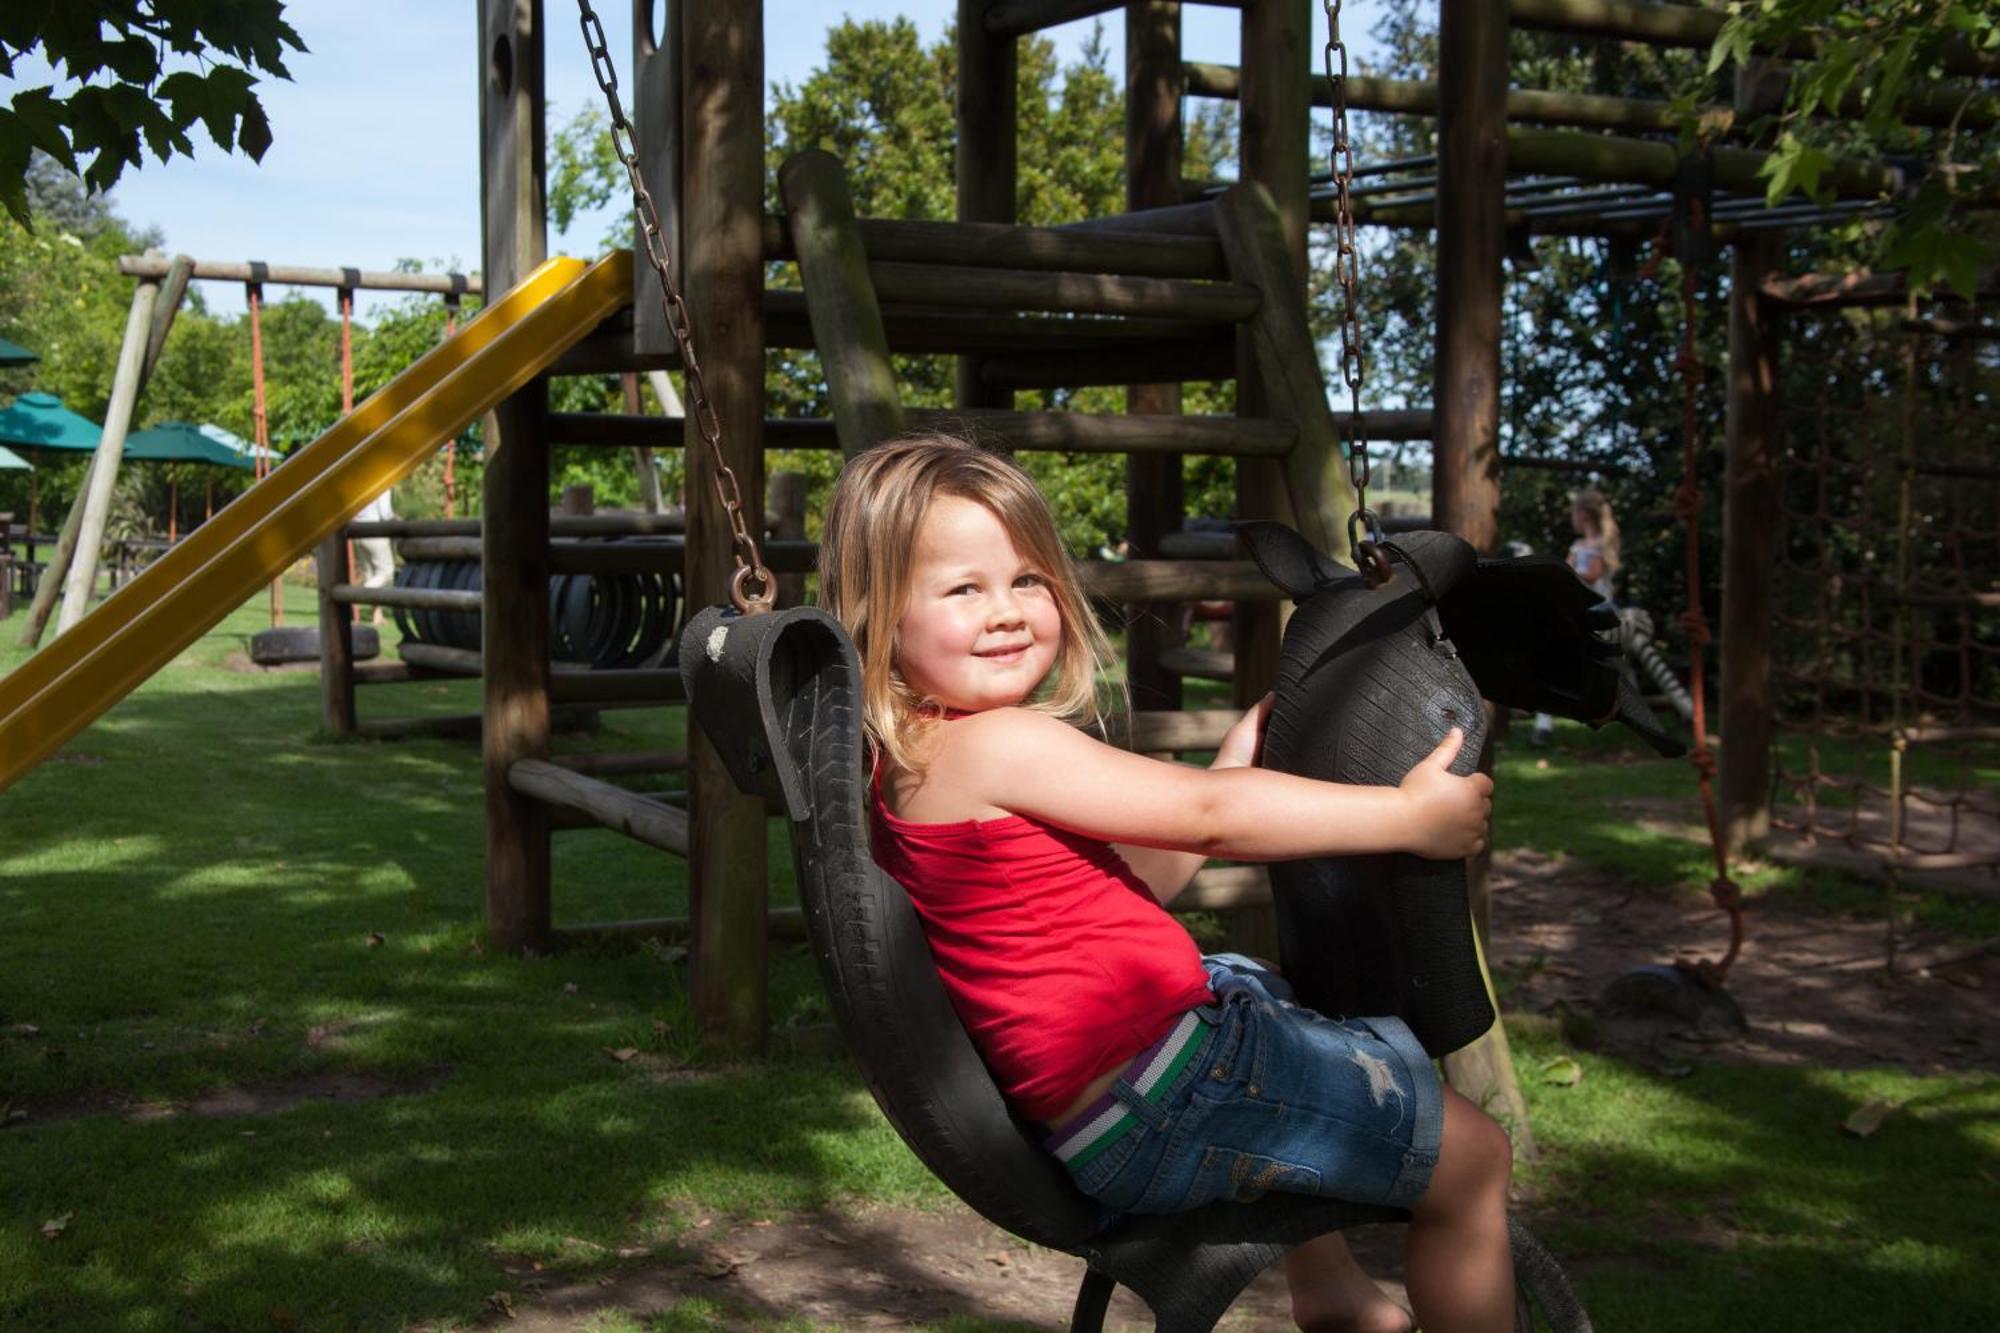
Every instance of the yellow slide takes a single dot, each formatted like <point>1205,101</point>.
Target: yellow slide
<point>63,688</point>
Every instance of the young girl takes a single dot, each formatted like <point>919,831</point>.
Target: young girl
<point>1595,558</point>
<point>1039,858</point>
<point>1594,553</point>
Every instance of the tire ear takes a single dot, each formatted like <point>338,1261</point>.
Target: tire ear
<point>1287,559</point>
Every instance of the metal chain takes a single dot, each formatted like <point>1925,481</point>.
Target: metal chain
<point>1364,530</point>
<point>750,568</point>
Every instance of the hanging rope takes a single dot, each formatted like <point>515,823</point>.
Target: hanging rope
<point>1364,530</point>
<point>259,417</point>
<point>753,589</point>
<point>1722,889</point>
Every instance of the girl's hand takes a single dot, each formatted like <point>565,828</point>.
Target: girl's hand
<point>1448,814</point>
<point>1240,746</point>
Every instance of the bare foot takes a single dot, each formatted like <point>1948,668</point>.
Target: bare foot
<point>1332,1294</point>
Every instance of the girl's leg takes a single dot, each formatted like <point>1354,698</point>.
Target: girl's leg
<point>1458,1266</point>
<point>1331,1293</point>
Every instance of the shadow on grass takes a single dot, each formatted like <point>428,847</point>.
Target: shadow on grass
<point>1739,1182</point>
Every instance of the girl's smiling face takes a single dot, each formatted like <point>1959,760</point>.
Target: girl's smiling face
<point>982,628</point>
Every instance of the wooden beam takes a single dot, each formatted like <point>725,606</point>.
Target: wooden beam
<point>627,763</point>
<point>515,506</point>
<point>1068,293</point>
<point>1688,26</point>
<point>301,275</point>
<point>410,599</point>
<point>625,812</point>
<point>1018,18</point>
<point>722,104</point>
<point>1808,290</point>
<point>1177,581</point>
<point>1181,359</point>
<point>1004,245</point>
<point>1751,529</point>
<point>844,304</point>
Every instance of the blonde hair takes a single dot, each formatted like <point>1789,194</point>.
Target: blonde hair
<point>865,561</point>
<point>1596,509</point>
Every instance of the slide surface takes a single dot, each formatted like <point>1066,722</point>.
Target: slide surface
<point>146,623</point>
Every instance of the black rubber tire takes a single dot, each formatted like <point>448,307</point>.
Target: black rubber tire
<point>300,643</point>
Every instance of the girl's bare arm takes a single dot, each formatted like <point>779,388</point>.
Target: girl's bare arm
<point>1031,764</point>
<point>1167,871</point>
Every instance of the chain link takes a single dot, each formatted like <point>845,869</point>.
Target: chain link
<point>750,567</point>
<point>1364,530</point>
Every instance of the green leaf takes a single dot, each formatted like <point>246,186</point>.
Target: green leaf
<point>42,120</point>
<point>255,136</point>
<point>14,152</point>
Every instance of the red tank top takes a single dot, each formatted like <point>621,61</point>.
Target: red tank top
<point>1058,959</point>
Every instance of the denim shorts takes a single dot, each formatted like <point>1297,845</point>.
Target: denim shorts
<point>1277,1098</point>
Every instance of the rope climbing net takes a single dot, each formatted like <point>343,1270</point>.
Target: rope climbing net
<point>1887,654</point>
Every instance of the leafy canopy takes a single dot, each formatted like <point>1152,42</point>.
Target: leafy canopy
<point>1873,77</point>
<point>126,102</point>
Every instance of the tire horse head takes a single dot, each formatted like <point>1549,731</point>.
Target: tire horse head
<point>1369,682</point>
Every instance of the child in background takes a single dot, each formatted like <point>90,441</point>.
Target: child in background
<point>1594,556</point>
<point>1039,860</point>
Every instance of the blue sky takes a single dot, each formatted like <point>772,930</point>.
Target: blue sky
<point>376,151</point>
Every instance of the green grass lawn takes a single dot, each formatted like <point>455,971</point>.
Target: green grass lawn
<point>203,894</point>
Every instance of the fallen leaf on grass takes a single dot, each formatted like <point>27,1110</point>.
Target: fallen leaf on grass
<point>719,1265</point>
<point>501,1302</point>
<point>569,988</point>
<point>1562,1071</point>
<point>622,1054</point>
<point>375,938</point>
<point>1868,1119</point>
<point>25,1029</point>
<point>55,1226</point>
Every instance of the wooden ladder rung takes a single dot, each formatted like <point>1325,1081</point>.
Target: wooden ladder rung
<point>1073,293</point>
<point>1204,663</point>
<point>1178,581</point>
<point>1087,432</point>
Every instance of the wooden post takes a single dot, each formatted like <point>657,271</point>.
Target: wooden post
<point>1471,239</point>
<point>1750,529</point>
<point>988,156</point>
<point>722,116</point>
<point>336,639</point>
<point>1155,495</point>
<point>656,122</point>
<point>1275,109</point>
<point>1465,395</point>
<point>96,498</point>
<point>48,585</point>
<point>788,505</point>
<point>514,530</point>
<point>840,297</point>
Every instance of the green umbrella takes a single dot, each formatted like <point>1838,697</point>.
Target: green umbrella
<point>40,421</point>
<point>10,459</point>
<point>13,354</point>
<point>186,442</point>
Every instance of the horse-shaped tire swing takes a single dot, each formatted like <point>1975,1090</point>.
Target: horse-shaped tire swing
<point>1372,679</point>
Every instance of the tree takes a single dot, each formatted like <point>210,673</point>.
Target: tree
<point>1862,71</point>
<point>138,106</point>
